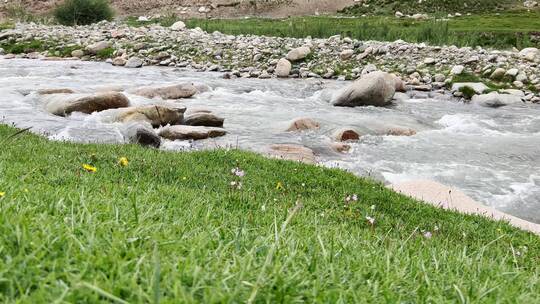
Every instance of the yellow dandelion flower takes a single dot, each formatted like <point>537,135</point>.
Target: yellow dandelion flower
<point>2,194</point>
<point>279,186</point>
<point>123,161</point>
<point>89,168</point>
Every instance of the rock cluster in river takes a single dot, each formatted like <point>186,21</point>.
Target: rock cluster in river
<point>140,121</point>
<point>422,67</point>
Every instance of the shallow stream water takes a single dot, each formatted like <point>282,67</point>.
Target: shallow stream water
<point>493,155</point>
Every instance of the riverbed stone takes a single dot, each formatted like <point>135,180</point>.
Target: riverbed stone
<point>478,87</point>
<point>181,132</point>
<point>153,114</point>
<point>142,134</point>
<point>283,68</point>
<point>178,26</point>
<point>203,119</point>
<point>495,100</point>
<point>55,91</point>
<point>134,62</point>
<point>65,104</point>
<point>298,54</point>
<point>346,134</point>
<point>177,91</point>
<point>119,61</point>
<point>97,47</point>
<point>303,124</point>
<point>292,152</point>
<point>375,89</point>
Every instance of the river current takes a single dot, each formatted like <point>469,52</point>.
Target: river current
<point>493,155</point>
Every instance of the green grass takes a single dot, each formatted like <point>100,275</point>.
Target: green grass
<point>23,47</point>
<point>512,29</point>
<point>6,26</point>
<point>440,7</point>
<point>169,228</point>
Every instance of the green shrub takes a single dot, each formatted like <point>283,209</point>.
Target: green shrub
<point>81,12</point>
<point>467,91</point>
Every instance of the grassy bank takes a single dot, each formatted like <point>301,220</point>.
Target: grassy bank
<point>170,227</point>
<point>511,29</point>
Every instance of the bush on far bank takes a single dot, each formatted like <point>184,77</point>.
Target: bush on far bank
<point>83,12</point>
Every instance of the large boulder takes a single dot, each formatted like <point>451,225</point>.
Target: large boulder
<point>530,54</point>
<point>65,104</point>
<point>496,100</point>
<point>203,119</point>
<point>373,89</point>
<point>292,152</point>
<point>98,46</point>
<point>154,115</point>
<point>168,92</point>
<point>298,53</point>
<point>191,132</point>
<point>134,62</point>
<point>142,134</point>
<point>283,68</point>
<point>302,124</point>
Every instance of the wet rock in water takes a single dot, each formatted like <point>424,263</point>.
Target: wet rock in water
<point>203,119</point>
<point>400,132</point>
<point>298,53</point>
<point>153,114</point>
<point>55,91</point>
<point>496,100</point>
<point>168,92</point>
<point>283,68</point>
<point>345,134</point>
<point>292,152</point>
<point>340,147</point>
<point>478,87</point>
<point>97,47</point>
<point>65,104</point>
<point>399,84</point>
<point>373,89</point>
<point>142,134</point>
<point>304,123</point>
<point>134,62</point>
<point>191,132</point>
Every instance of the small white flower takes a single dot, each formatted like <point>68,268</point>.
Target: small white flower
<point>436,228</point>
<point>233,183</point>
<point>428,235</point>
<point>370,220</point>
<point>303,185</point>
<point>372,207</point>
<point>354,197</point>
<point>263,208</point>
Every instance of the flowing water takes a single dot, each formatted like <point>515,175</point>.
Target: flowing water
<point>491,154</point>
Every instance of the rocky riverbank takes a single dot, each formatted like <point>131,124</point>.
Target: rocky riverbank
<point>421,67</point>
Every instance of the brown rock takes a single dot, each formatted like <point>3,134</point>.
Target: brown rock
<point>301,124</point>
<point>168,92</point>
<point>155,115</point>
<point>65,104</point>
<point>340,147</point>
<point>292,152</point>
<point>55,91</point>
<point>191,132</point>
<point>345,134</point>
<point>203,119</point>
<point>400,132</point>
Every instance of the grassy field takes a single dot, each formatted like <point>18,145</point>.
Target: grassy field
<point>510,29</point>
<point>153,226</point>
<point>440,7</point>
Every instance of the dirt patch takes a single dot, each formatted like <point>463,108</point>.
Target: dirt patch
<point>199,8</point>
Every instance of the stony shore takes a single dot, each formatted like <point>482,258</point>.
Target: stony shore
<point>422,67</point>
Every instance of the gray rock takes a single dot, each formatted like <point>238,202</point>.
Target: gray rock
<point>191,132</point>
<point>142,134</point>
<point>178,26</point>
<point>97,47</point>
<point>496,100</point>
<point>168,92</point>
<point>134,62</point>
<point>298,53</point>
<point>376,89</point>
<point>204,119</point>
<point>283,68</point>
<point>457,70</point>
<point>478,87</point>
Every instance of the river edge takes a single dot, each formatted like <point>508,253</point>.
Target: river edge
<point>420,66</point>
